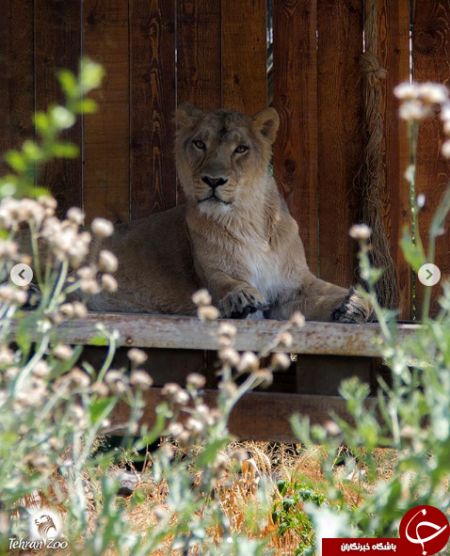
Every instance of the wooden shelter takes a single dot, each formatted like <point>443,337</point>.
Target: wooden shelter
<point>302,56</point>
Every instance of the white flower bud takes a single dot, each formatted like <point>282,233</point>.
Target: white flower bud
<point>229,356</point>
<point>109,283</point>
<point>67,310</point>
<point>297,319</point>
<point>137,356</point>
<point>175,429</point>
<point>445,112</point>
<point>421,199</point>
<point>332,428</point>
<point>79,309</point>
<point>414,110</point>
<point>433,93</point>
<point>285,340</point>
<point>208,313</point>
<point>141,379</point>
<point>201,298</point>
<point>265,377</point>
<point>196,380</point>
<point>86,272</point>
<point>446,148</point>
<point>102,228</point>
<point>280,362</point>
<point>194,425</point>
<point>47,202</point>
<point>79,378</point>
<point>406,91</point>
<point>90,287</point>
<point>181,397</point>
<point>227,329</point>
<point>76,216</point>
<point>113,376</point>
<point>41,369</point>
<point>62,352</point>
<point>170,390</point>
<point>107,261</point>
<point>248,363</point>
<point>360,231</point>
<point>100,389</point>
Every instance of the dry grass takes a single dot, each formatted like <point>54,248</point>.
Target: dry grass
<point>237,488</point>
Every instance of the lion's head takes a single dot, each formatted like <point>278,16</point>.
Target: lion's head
<point>222,156</point>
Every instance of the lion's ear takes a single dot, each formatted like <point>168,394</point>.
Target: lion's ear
<point>267,123</point>
<point>187,115</point>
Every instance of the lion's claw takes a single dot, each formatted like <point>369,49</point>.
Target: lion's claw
<point>242,301</point>
<point>353,309</point>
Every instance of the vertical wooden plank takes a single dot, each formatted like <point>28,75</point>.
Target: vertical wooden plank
<point>106,133</point>
<point>431,55</point>
<point>153,94</point>
<point>244,55</point>
<point>340,137</point>
<point>16,74</point>
<point>295,98</point>
<point>199,53</point>
<point>58,45</point>
<point>394,52</point>
<point>199,74</point>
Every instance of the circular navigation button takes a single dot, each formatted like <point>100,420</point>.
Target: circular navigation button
<point>21,274</point>
<point>429,274</point>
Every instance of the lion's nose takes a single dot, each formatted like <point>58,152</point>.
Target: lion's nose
<point>214,182</point>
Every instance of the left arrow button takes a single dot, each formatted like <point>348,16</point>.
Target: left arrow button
<point>21,274</point>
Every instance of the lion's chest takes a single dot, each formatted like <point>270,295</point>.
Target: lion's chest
<point>268,271</point>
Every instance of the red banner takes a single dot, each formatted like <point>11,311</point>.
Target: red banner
<point>341,547</point>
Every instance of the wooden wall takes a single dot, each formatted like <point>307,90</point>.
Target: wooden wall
<point>158,53</point>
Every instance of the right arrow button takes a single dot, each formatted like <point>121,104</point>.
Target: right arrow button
<point>429,274</point>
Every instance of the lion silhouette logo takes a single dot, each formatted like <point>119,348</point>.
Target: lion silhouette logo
<point>45,525</point>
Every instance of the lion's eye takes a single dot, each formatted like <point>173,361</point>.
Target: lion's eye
<point>241,149</point>
<point>199,144</point>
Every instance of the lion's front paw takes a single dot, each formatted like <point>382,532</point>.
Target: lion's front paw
<point>241,301</point>
<point>353,309</point>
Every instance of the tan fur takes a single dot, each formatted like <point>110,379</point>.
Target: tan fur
<point>242,245</point>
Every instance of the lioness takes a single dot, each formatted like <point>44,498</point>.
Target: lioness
<point>234,236</point>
